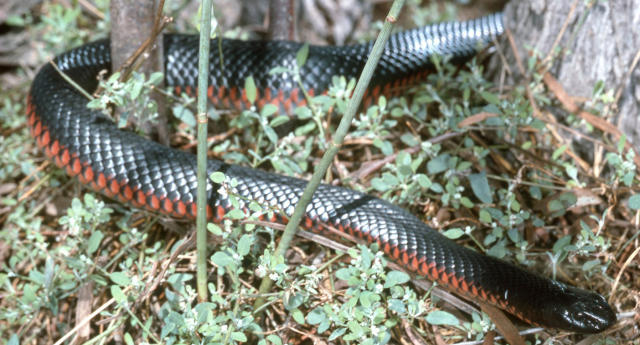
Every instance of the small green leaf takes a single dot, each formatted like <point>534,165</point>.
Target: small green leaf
<point>128,339</point>
<point>271,134</point>
<point>305,129</point>
<point>439,317</point>
<point>344,274</point>
<point>184,114</point>
<point>466,202</point>
<point>94,241</point>
<point>217,177</point>
<point>179,280</point>
<point>117,294</point>
<point>490,97</point>
<point>384,146</point>
<point>274,339</point>
<point>438,164</point>
<point>514,235</point>
<point>484,216</point>
<point>238,336</point>
<point>587,266</point>
<point>14,340</point>
<point>397,306</point>
<point>515,205</point>
<point>559,151</point>
<point>277,121</point>
<point>621,143</point>
<point>316,316</point>
<point>395,278</point>
<point>235,214</point>
<point>222,259</point>
<point>268,110</point>
<point>423,180</point>
<point>382,102</point>
<point>301,56</point>
<point>480,187</point>
<point>250,89</point>
<point>113,78</point>
<point>244,245</point>
<point>454,233</point>
<point>535,192</point>
<point>355,327</point>
<point>156,78</point>
<point>634,202</point>
<point>561,244</point>
<point>436,188</point>
<point>294,301</point>
<point>120,278</point>
<point>498,250</point>
<point>297,316</point>
<point>409,139</point>
<point>367,298</point>
<point>379,184</point>
<point>136,89</point>
<point>303,113</point>
<point>555,205</point>
<point>337,333</point>
<point>29,294</point>
<point>278,70</point>
<point>214,229</point>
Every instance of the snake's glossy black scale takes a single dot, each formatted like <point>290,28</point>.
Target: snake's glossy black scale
<point>406,55</point>
<point>132,169</point>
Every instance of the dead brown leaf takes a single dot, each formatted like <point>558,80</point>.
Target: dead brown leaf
<point>567,102</point>
<point>83,310</point>
<point>504,325</point>
<point>475,118</point>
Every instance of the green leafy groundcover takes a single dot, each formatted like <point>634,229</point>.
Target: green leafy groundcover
<point>57,239</point>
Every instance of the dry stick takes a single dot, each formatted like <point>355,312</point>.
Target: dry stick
<point>624,267</point>
<point>336,143</point>
<point>480,342</point>
<point>560,33</point>
<point>508,330</point>
<point>91,8</point>
<point>626,78</point>
<point>85,320</point>
<point>201,198</point>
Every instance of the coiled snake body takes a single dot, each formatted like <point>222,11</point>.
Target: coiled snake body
<point>146,174</point>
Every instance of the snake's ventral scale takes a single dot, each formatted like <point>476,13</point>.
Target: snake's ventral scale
<point>135,170</point>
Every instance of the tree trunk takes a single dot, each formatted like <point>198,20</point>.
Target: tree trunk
<point>600,42</point>
<point>282,20</point>
<point>132,23</point>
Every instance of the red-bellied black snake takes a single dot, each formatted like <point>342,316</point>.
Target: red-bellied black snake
<point>135,170</point>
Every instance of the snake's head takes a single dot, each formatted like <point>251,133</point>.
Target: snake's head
<point>580,311</point>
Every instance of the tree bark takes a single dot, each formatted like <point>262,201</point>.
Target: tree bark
<point>132,22</point>
<point>282,20</point>
<point>601,42</point>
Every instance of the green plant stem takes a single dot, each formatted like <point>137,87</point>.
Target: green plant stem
<point>201,199</point>
<point>141,324</point>
<point>336,142</point>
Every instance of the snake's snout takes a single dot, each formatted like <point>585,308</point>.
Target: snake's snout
<point>584,311</point>
<point>595,314</point>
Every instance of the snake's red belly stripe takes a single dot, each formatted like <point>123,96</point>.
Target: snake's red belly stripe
<point>236,98</point>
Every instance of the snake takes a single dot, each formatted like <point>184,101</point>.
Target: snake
<point>137,171</point>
